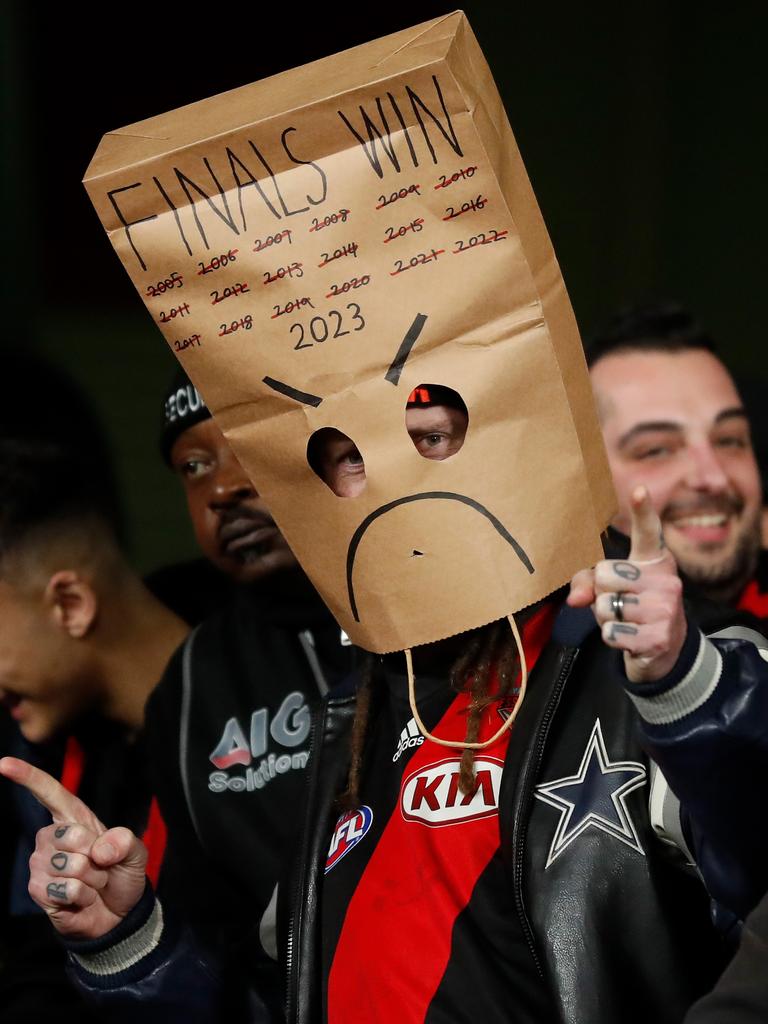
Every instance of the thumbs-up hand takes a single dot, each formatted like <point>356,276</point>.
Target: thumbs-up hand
<point>84,876</point>
<point>638,602</point>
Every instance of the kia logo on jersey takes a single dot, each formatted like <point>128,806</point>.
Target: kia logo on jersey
<point>432,796</point>
<point>350,829</point>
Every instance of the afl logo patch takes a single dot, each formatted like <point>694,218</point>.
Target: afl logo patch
<point>350,829</point>
<point>432,796</point>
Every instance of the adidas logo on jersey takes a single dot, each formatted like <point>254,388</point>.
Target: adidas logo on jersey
<point>409,737</point>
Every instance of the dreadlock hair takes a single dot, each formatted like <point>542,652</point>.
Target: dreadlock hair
<point>350,798</point>
<point>494,645</point>
<point>489,646</point>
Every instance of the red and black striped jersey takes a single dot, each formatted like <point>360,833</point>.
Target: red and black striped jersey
<point>418,921</point>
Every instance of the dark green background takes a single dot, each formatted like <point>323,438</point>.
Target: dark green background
<point>642,129</point>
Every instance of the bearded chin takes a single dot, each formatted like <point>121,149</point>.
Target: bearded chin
<point>724,580</point>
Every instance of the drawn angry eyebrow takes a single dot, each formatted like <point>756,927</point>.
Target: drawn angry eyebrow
<point>285,389</point>
<point>411,336</point>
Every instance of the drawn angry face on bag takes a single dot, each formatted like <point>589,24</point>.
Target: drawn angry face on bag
<point>429,488</point>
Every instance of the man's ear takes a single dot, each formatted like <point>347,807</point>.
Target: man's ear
<point>72,602</point>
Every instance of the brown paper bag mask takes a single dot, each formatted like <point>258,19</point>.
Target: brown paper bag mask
<point>316,246</point>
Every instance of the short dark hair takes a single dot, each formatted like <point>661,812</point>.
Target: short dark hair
<point>46,490</point>
<point>652,327</point>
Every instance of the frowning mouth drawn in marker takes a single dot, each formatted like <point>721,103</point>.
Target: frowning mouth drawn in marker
<point>393,377</point>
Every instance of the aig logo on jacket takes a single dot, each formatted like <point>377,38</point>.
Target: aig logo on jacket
<point>288,727</point>
<point>432,796</point>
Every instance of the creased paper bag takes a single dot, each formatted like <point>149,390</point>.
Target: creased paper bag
<point>316,245</point>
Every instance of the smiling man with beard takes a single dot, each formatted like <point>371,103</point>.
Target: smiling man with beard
<point>673,420</point>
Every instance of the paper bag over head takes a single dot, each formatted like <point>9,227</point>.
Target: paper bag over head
<point>317,245</point>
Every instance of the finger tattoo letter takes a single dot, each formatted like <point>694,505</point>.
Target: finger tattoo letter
<point>622,627</point>
<point>57,891</point>
<point>626,570</point>
<point>59,832</point>
<point>59,861</point>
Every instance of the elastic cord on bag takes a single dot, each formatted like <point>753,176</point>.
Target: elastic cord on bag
<point>463,744</point>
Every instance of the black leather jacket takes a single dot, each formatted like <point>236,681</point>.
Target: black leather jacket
<point>617,934</point>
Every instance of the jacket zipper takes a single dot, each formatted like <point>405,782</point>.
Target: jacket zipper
<point>292,980</point>
<point>534,765</point>
<point>307,644</point>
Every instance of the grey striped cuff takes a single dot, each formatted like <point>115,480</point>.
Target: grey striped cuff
<point>125,954</point>
<point>665,813</point>
<point>686,696</point>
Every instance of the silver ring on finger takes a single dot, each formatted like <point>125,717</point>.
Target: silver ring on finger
<point>617,606</point>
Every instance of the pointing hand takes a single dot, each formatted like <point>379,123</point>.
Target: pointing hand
<point>84,876</point>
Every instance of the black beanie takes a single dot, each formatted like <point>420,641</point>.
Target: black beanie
<point>183,407</point>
